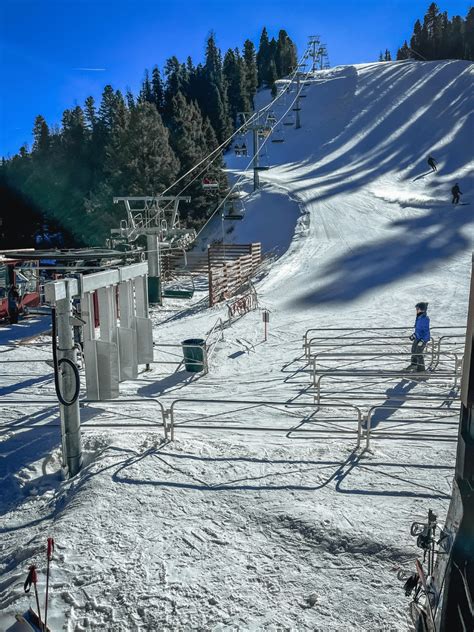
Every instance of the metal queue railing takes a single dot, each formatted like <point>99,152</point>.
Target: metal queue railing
<point>396,435</point>
<point>258,403</point>
<point>378,374</point>
<point>364,422</point>
<point>433,347</point>
<point>336,335</point>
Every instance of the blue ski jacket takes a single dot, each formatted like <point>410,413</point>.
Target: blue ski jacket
<point>422,327</point>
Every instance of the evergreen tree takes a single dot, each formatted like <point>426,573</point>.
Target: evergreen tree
<point>403,52</point>
<point>90,113</point>
<point>234,73</point>
<point>286,56</point>
<point>146,95</point>
<point>157,89</point>
<point>144,164</point>
<point>190,140</point>
<point>417,43</point>
<point>469,35</point>
<point>263,58</point>
<point>441,38</point>
<point>432,32</point>
<point>107,109</point>
<point>176,81</point>
<point>387,56</point>
<point>216,106</point>
<point>251,72</point>
<point>130,99</point>
<point>272,77</point>
<point>41,136</point>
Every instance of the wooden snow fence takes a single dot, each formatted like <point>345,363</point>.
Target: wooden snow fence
<point>174,263</point>
<point>230,266</point>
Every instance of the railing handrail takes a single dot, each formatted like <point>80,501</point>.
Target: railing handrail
<point>369,329</point>
<point>210,347</point>
<point>368,430</point>
<point>335,373</point>
<point>263,403</point>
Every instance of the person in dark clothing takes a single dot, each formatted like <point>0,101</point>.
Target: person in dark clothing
<point>432,163</point>
<point>456,191</point>
<point>13,300</point>
<point>420,338</point>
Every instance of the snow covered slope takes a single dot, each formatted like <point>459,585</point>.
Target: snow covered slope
<point>242,530</point>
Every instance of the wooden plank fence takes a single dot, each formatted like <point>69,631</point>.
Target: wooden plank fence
<point>230,266</point>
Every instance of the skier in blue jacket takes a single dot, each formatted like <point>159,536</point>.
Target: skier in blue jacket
<point>420,338</point>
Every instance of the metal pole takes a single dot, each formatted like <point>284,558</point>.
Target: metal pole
<point>154,272</point>
<point>298,122</point>
<point>256,149</point>
<point>70,415</point>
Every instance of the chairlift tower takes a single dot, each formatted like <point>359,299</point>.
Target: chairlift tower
<point>257,128</point>
<point>314,43</point>
<point>323,57</point>
<point>318,53</point>
<point>156,218</point>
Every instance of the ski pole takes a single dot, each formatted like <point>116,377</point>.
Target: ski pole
<point>33,579</point>
<point>49,555</point>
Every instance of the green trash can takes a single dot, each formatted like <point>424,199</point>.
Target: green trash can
<point>193,352</point>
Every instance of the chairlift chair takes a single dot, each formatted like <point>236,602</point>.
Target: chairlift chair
<point>180,288</point>
<point>230,213</point>
<point>278,135</point>
<point>209,185</point>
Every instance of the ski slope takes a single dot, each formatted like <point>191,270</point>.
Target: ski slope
<point>243,530</point>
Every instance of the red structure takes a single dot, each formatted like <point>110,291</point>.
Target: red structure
<point>24,275</point>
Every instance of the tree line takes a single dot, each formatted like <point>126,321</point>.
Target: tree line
<point>138,144</point>
<point>440,37</point>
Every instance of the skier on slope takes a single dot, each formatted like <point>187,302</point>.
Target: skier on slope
<point>419,338</point>
<point>432,163</point>
<point>456,191</point>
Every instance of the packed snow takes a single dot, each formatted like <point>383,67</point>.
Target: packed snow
<point>266,518</point>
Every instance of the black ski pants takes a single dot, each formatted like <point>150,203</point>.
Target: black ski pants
<point>417,359</point>
<point>456,198</point>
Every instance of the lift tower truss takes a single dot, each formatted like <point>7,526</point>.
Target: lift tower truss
<point>156,218</point>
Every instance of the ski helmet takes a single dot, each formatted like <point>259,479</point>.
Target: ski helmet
<point>423,306</point>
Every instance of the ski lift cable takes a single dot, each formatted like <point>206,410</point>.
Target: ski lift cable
<point>240,179</point>
<point>235,133</point>
<point>226,142</point>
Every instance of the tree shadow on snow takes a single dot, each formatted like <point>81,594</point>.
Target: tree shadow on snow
<point>425,241</point>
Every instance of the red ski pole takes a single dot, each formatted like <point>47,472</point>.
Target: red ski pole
<point>49,556</point>
<point>33,579</point>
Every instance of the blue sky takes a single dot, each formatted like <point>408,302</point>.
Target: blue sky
<point>54,53</point>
